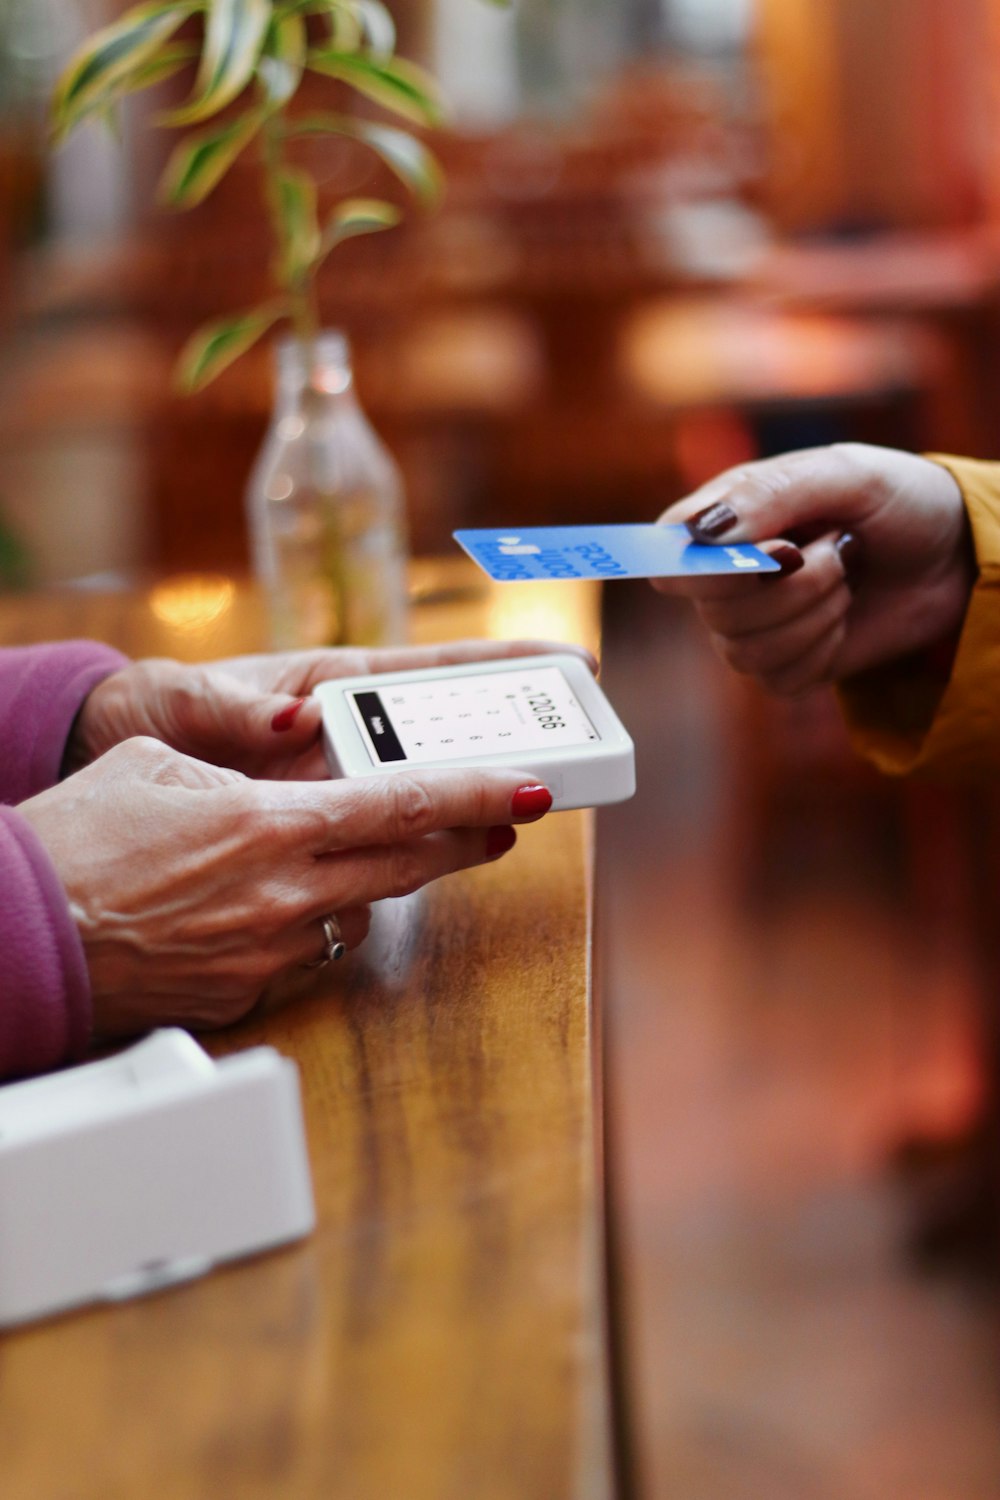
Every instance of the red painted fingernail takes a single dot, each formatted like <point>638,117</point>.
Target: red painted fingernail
<point>788,558</point>
<point>287,716</point>
<point>499,840</point>
<point>712,522</point>
<point>531,801</point>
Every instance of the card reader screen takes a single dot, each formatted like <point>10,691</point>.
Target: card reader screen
<point>462,718</point>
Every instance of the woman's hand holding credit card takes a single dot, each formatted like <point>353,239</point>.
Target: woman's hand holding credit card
<point>875,554</point>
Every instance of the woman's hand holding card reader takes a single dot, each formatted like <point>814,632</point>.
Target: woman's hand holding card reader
<point>545,715</point>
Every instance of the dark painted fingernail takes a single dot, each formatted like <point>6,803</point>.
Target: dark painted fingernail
<point>287,716</point>
<point>712,522</point>
<point>531,801</point>
<point>849,550</point>
<point>499,840</point>
<point>788,558</point>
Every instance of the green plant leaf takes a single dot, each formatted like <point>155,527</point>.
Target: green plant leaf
<point>416,166</point>
<point>167,62</point>
<point>199,161</point>
<point>215,346</point>
<point>357,216</point>
<point>396,84</point>
<point>305,7</point>
<point>99,71</point>
<point>283,59</point>
<point>346,31</point>
<point>234,36</point>
<point>343,21</point>
<point>296,200</point>
<point>164,64</point>
<point>378,29</point>
<point>355,25</point>
<point>409,158</point>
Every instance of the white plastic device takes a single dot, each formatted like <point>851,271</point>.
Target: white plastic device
<point>545,715</point>
<point>122,1176</point>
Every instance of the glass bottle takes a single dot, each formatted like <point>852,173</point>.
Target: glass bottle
<point>325,509</point>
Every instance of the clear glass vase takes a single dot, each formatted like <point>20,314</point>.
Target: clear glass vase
<point>325,509</point>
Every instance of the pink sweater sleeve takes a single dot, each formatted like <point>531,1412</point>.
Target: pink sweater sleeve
<point>44,991</point>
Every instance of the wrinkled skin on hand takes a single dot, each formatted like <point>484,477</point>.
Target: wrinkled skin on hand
<point>909,589</point>
<point>224,712</point>
<point>195,889</point>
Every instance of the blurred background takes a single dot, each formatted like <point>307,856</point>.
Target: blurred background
<point>677,234</point>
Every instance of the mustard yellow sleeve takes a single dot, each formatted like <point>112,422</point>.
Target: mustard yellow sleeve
<point>905,719</point>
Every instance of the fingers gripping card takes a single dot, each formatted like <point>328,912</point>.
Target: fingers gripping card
<point>536,553</point>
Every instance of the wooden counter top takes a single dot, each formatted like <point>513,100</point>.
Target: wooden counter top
<point>441,1334</point>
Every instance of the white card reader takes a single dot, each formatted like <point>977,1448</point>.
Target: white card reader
<point>544,715</point>
<point>122,1176</point>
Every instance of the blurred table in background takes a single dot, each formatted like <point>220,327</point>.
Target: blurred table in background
<point>442,1332</point>
<point>532,399</point>
<point>943,282</point>
<point>597,318</point>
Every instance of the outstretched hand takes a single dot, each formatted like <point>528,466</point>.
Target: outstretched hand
<point>251,713</point>
<point>876,562</point>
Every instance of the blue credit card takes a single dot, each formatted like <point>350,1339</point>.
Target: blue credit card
<point>529,554</point>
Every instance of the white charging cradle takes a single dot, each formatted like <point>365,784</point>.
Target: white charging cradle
<point>125,1175</point>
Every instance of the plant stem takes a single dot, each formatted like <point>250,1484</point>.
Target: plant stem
<point>301,290</point>
<point>304,312</point>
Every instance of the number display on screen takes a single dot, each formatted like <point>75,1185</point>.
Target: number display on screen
<point>462,718</point>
